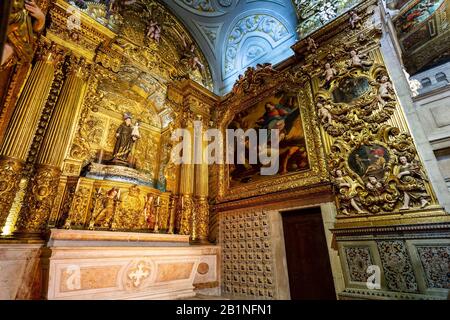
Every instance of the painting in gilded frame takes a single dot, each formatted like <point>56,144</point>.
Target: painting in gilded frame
<point>281,111</point>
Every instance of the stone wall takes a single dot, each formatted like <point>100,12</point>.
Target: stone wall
<point>433,110</point>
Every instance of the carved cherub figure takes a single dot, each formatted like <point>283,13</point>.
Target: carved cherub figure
<point>239,80</point>
<point>347,193</point>
<point>414,84</point>
<point>359,60</point>
<point>135,132</point>
<point>385,91</point>
<point>324,112</point>
<point>329,73</point>
<point>374,186</point>
<point>154,31</point>
<point>189,56</point>
<point>263,66</point>
<point>354,19</point>
<point>411,183</point>
<point>311,47</point>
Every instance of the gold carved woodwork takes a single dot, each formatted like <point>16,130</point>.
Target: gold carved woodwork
<point>22,33</point>
<point>36,210</point>
<point>185,214</point>
<point>201,224</point>
<point>83,39</point>
<point>49,145</point>
<point>19,135</point>
<point>11,172</point>
<point>372,160</point>
<point>109,205</point>
<point>173,211</point>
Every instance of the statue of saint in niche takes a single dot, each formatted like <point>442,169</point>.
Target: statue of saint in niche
<point>126,136</point>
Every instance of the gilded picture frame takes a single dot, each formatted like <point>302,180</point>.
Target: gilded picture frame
<point>245,99</point>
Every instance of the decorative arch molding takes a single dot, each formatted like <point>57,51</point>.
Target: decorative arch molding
<point>264,25</point>
<point>253,49</point>
<point>211,32</point>
<point>211,22</point>
<point>208,8</point>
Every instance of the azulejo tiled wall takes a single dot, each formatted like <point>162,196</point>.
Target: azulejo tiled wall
<point>247,260</point>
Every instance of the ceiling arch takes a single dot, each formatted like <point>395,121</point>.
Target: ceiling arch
<point>236,34</point>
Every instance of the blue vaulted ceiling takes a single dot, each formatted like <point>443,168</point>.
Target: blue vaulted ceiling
<point>236,34</point>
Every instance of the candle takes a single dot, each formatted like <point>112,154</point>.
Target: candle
<point>118,195</point>
<point>100,156</point>
<point>158,200</point>
<point>100,190</point>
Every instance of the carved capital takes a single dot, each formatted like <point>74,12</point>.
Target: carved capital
<point>79,67</point>
<point>50,52</point>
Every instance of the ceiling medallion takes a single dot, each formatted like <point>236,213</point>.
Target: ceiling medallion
<point>225,3</point>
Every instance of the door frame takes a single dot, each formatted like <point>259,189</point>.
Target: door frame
<point>328,211</point>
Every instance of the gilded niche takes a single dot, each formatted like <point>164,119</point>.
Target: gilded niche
<point>130,77</point>
<point>114,99</point>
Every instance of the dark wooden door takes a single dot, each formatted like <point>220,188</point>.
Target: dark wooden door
<point>307,257</point>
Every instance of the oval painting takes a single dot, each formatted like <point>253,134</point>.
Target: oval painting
<point>369,160</point>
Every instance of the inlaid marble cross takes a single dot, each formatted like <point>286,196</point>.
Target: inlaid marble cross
<point>138,274</point>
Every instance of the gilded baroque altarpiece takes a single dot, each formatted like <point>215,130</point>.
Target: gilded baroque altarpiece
<point>123,62</point>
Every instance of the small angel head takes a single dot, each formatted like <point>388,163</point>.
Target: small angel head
<point>403,160</point>
<point>338,173</point>
<point>384,79</point>
<point>373,180</point>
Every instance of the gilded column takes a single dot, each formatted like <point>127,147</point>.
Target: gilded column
<point>201,213</point>
<point>187,185</point>
<point>44,187</point>
<point>23,124</point>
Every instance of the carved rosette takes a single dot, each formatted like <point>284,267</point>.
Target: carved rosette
<point>33,217</point>
<point>10,173</point>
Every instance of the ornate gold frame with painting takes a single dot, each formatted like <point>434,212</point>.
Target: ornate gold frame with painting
<point>257,85</point>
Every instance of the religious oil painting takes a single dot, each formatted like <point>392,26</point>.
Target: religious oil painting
<point>419,13</point>
<point>278,111</point>
<point>350,89</point>
<point>369,160</point>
